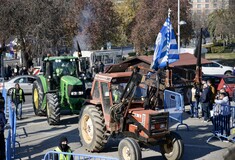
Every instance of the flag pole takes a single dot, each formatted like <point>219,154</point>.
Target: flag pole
<point>168,71</point>
<point>168,37</point>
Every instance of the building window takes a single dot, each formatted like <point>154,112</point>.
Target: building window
<point>207,0</point>
<point>207,11</point>
<point>198,1</point>
<point>207,6</point>
<point>215,5</point>
<point>199,6</point>
<point>199,12</point>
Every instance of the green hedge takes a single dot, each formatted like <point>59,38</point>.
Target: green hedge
<point>217,49</point>
<point>131,54</point>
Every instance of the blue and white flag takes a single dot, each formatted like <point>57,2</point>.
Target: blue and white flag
<point>166,49</point>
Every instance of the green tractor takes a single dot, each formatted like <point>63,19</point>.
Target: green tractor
<point>59,88</point>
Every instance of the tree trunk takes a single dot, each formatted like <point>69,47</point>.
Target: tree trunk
<point>24,54</point>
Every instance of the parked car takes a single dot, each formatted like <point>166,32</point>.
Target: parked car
<point>228,82</point>
<point>215,68</point>
<point>25,82</point>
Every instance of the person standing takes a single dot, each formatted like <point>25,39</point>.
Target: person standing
<point>194,101</point>
<point>18,98</point>
<point>16,69</point>
<point>24,71</point>
<point>213,93</point>
<point>205,100</point>
<point>3,122</point>
<point>63,147</point>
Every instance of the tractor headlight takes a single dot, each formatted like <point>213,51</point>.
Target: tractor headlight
<point>74,93</point>
<point>80,93</point>
<point>77,93</point>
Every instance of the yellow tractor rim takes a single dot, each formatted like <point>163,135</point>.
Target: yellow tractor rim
<point>87,129</point>
<point>35,98</point>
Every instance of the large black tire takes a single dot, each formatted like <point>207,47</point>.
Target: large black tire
<point>129,149</point>
<point>37,99</point>
<point>173,149</point>
<point>53,109</point>
<point>228,73</point>
<point>92,128</point>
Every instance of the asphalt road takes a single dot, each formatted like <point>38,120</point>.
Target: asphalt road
<point>36,138</point>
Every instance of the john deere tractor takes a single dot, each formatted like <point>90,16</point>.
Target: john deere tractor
<point>59,88</point>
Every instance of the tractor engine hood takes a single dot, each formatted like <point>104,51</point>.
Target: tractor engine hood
<point>70,80</point>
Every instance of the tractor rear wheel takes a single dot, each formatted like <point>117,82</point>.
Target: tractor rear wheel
<point>37,99</point>
<point>173,149</point>
<point>129,149</point>
<point>92,129</point>
<point>53,109</point>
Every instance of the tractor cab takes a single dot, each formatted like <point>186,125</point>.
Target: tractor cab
<point>57,67</point>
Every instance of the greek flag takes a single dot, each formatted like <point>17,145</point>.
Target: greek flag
<point>166,49</point>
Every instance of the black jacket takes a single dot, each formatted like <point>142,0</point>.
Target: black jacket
<point>206,95</point>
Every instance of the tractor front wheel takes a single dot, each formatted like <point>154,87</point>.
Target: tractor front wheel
<point>173,148</point>
<point>129,149</point>
<point>92,128</point>
<point>37,98</point>
<point>53,109</point>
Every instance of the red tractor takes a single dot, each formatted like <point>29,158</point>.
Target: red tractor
<point>117,107</point>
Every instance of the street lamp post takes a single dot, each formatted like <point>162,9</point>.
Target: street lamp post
<point>178,26</point>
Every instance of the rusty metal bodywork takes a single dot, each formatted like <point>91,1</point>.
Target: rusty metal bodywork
<point>129,116</point>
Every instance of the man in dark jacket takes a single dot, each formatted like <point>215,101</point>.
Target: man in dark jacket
<point>18,98</point>
<point>205,100</point>
<point>63,147</point>
<point>3,122</point>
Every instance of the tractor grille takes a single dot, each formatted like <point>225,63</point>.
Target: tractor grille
<point>158,123</point>
<point>75,89</point>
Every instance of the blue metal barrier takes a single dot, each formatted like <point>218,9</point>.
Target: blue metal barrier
<point>174,104</point>
<point>51,155</point>
<point>8,145</point>
<point>4,94</point>
<point>14,133</point>
<point>223,123</point>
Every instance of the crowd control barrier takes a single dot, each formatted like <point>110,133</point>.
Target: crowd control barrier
<point>8,145</point>
<point>174,104</point>
<point>223,123</point>
<point>11,116</point>
<point>51,155</point>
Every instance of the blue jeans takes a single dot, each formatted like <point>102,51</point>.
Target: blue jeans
<point>206,111</point>
<point>18,110</point>
<point>194,109</point>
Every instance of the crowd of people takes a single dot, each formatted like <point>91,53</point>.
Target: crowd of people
<point>203,100</point>
<point>10,71</point>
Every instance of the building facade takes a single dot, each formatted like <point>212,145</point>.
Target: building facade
<point>205,7</point>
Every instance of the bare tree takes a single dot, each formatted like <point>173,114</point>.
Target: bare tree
<point>40,26</point>
<point>150,18</point>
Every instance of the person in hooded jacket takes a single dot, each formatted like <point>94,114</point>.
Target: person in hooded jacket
<point>63,147</point>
